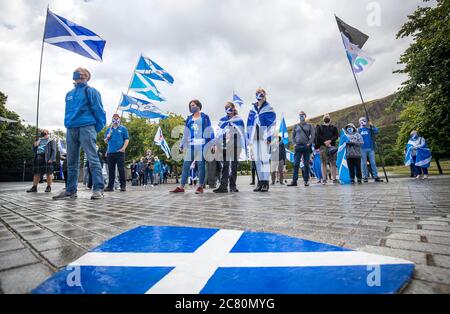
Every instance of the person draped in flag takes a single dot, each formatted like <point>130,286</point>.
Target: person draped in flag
<point>232,146</point>
<point>353,152</point>
<point>194,144</point>
<point>84,118</point>
<point>418,155</point>
<point>261,124</point>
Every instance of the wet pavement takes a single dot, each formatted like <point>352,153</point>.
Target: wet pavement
<point>406,218</point>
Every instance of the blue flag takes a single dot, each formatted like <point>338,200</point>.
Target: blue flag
<point>70,36</point>
<point>152,70</point>
<point>284,132</point>
<point>141,108</point>
<point>143,85</point>
<point>237,100</point>
<point>423,153</point>
<point>344,173</point>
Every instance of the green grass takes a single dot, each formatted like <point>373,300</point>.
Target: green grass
<point>403,170</point>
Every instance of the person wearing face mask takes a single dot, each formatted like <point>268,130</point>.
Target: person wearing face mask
<point>117,139</point>
<point>303,135</point>
<point>194,145</point>
<point>84,118</point>
<point>418,154</point>
<point>353,152</point>
<point>368,149</point>
<point>44,152</point>
<point>231,141</point>
<point>326,137</point>
<point>261,124</point>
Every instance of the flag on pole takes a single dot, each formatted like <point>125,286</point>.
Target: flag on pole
<point>152,70</point>
<point>284,132</point>
<point>237,100</point>
<point>141,108</point>
<point>290,156</point>
<point>354,35</point>
<point>160,141</point>
<point>143,85</point>
<point>344,173</point>
<point>70,36</point>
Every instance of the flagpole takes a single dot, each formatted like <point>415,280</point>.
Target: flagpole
<point>367,113</point>
<point>39,80</point>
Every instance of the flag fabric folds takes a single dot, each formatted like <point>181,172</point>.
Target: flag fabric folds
<point>144,86</point>
<point>160,141</point>
<point>290,156</point>
<point>152,70</point>
<point>342,166</point>
<point>141,108</point>
<point>70,36</point>
<point>423,153</point>
<point>355,36</point>
<point>284,132</point>
<point>237,100</point>
<point>225,123</point>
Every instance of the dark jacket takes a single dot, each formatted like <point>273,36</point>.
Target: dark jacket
<point>281,152</point>
<point>325,133</point>
<point>50,151</point>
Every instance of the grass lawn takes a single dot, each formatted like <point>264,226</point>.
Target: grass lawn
<point>403,170</point>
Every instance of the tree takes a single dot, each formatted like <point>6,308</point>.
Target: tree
<point>425,95</point>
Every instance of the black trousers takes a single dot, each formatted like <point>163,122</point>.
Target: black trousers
<point>226,173</point>
<point>254,174</point>
<point>354,164</point>
<point>114,159</point>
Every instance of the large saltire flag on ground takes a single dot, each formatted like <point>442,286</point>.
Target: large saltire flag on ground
<point>161,142</point>
<point>354,40</point>
<point>70,36</point>
<point>141,108</point>
<point>144,86</point>
<point>284,132</point>
<point>342,166</point>
<point>152,70</point>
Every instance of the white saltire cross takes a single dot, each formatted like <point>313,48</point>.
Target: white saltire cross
<point>193,270</point>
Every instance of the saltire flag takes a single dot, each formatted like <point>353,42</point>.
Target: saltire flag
<point>144,86</point>
<point>290,156</point>
<point>423,153</point>
<point>317,165</point>
<point>61,172</point>
<point>342,166</point>
<point>224,130</point>
<point>62,147</point>
<point>141,108</point>
<point>354,40</point>
<point>160,141</point>
<point>152,70</point>
<point>284,132</point>
<point>237,100</point>
<point>70,36</point>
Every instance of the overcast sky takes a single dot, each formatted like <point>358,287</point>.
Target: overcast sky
<point>291,48</point>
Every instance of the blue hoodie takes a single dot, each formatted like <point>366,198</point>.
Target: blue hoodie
<point>367,137</point>
<point>81,112</point>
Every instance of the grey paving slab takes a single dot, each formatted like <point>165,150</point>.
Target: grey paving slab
<point>23,279</point>
<point>16,258</point>
<point>10,244</point>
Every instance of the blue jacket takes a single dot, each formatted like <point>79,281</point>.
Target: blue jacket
<point>367,137</point>
<point>81,112</point>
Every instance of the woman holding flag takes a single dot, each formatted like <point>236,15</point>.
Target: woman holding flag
<point>418,154</point>
<point>260,130</point>
<point>231,140</point>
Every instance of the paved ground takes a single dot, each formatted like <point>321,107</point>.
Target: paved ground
<point>405,218</point>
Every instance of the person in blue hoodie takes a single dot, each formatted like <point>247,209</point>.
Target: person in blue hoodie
<point>194,144</point>
<point>368,149</point>
<point>84,118</point>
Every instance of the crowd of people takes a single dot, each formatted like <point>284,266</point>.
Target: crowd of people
<point>210,158</point>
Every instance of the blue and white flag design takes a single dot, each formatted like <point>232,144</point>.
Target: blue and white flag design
<point>342,166</point>
<point>152,70</point>
<point>184,260</point>
<point>62,147</point>
<point>161,142</point>
<point>265,119</point>
<point>290,156</point>
<point>144,86</point>
<point>70,36</point>
<point>358,58</point>
<point>141,108</point>
<point>237,100</point>
<point>284,132</point>
<point>224,130</point>
<point>423,153</point>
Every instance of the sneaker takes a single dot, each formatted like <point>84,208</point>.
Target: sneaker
<point>292,184</point>
<point>48,189</point>
<point>335,181</point>
<point>177,190</point>
<point>352,181</point>
<point>367,180</point>
<point>306,183</point>
<point>64,195</point>
<point>33,189</point>
<point>418,176</point>
<point>221,189</point>
<point>425,176</point>
<point>235,190</point>
<point>108,189</point>
<point>199,190</point>
<point>123,189</point>
<point>324,182</point>
<point>252,183</point>
<point>97,195</point>
<point>359,181</point>
<point>378,180</point>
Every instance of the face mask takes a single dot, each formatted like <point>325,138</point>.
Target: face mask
<point>302,117</point>
<point>76,76</point>
<point>414,137</point>
<point>229,110</point>
<point>363,123</point>
<point>43,134</point>
<point>350,130</point>
<point>195,109</point>
<point>260,96</point>
<point>116,121</point>
<point>327,120</point>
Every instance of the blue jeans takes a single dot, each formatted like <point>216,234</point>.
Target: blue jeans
<point>301,150</point>
<point>83,137</point>
<point>367,152</point>
<point>187,168</point>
